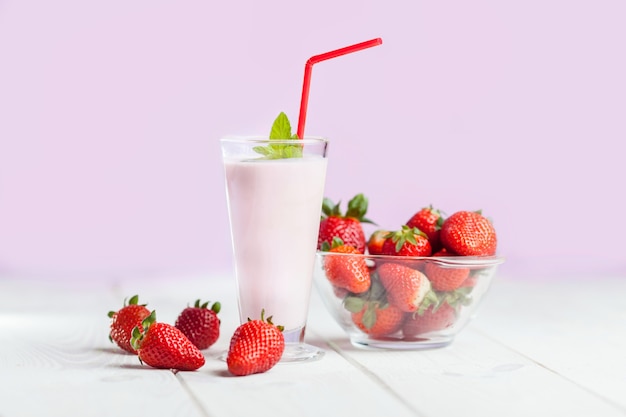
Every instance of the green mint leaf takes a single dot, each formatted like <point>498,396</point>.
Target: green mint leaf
<point>281,129</point>
<point>262,150</point>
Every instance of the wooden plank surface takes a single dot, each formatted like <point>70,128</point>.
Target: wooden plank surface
<point>525,354</point>
<point>573,327</point>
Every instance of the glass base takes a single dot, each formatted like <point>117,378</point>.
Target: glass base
<point>293,353</point>
<point>401,344</point>
<point>301,352</point>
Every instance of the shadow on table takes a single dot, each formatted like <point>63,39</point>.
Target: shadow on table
<point>333,343</point>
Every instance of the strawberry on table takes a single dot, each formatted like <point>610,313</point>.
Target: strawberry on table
<point>408,241</point>
<point>407,288</point>
<point>200,324</point>
<point>124,321</point>
<point>429,220</point>
<point>376,241</point>
<point>344,271</point>
<point>445,277</point>
<point>256,346</point>
<point>469,233</point>
<point>161,345</point>
<point>346,227</point>
<point>435,317</point>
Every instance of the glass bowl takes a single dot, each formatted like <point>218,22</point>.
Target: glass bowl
<point>397,302</point>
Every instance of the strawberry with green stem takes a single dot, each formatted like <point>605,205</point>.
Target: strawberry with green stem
<point>200,324</point>
<point>377,320</point>
<point>255,347</point>
<point>408,241</point>
<point>429,220</point>
<point>372,313</point>
<point>445,277</point>
<point>407,288</point>
<point>347,227</point>
<point>343,270</point>
<point>439,313</point>
<point>124,321</point>
<point>435,317</point>
<point>376,241</point>
<point>161,345</point>
<point>469,233</point>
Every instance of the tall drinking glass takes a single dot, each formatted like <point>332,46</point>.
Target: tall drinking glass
<point>274,202</point>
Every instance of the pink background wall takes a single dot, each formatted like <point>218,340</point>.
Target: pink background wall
<point>110,114</point>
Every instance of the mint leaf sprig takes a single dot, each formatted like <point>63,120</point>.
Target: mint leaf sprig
<point>281,130</point>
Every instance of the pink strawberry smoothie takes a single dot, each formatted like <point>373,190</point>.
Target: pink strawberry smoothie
<point>274,208</point>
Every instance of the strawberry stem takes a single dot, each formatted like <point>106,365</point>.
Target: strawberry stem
<point>357,207</point>
<point>138,333</point>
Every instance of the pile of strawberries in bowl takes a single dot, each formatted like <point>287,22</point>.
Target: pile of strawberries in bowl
<point>411,288</point>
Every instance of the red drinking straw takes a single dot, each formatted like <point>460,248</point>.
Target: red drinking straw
<point>308,68</point>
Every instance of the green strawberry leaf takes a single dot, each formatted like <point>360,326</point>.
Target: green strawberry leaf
<point>357,207</point>
<point>353,304</point>
<point>406,234</point>
<point>439,223</point>
<point>337,241</point>
<point>327,246</point>
<point>377,292</point>
<point>369,317</point>
<point>138,333</point>
<point>431,299</point>
<point>459,297</point>
<point>327,206</point>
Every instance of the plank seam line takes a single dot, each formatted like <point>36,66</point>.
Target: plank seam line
<point>607,400</point>
<point>194,398</point>
<point>374,377</point>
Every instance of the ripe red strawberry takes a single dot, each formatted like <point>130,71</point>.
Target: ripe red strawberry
<point>200,324</point>
<point>124,321</point>
<point>161,345</point>
<point>256,346</point>
<point>376,241</point>
<point>346,271</point>
<point>374,318</point>
<point>469,233</point>
<point>429,220</point>
<point>346,227</point>
<point>435,317</point>
<point>407,242</point>
<point>406,288</point>
<point>470,282</point>
<point>445,278</point>
<point>444,252</point>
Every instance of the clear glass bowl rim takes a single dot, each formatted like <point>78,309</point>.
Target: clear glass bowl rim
<point>474,261</point>
<point>265,140</point>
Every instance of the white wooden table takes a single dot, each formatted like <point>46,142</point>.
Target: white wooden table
<point>538,348</point>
